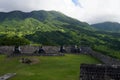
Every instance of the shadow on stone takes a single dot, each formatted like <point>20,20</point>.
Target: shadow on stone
<point>40,50</point>
<point>62,49</point>
<point>17,50</point>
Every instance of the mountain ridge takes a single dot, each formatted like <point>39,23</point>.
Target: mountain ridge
<point>107,26</point>
<point>48,18</point>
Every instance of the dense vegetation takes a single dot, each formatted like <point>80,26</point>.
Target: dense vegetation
<point>13,40</point>
<point>45,68</point>
<point>107,26</point>
<point>54,28</point>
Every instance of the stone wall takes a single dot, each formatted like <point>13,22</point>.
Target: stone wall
<point>6,49</point>
<point>32,49</point>
<point>106,59</point>
<point>29,49</point>
<point>103,58</point>
<point>99,72</point>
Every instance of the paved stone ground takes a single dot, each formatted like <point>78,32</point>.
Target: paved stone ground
<point>7,76</point>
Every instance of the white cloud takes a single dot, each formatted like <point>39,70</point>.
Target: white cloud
<point>92,11</point>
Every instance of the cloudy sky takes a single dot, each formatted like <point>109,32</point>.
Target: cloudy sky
<point>91,11</point>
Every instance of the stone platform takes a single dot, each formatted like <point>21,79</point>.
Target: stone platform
<point>99,72</point>
<point>7,76</point>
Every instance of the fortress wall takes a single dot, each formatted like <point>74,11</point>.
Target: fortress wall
<point>6,49</point>
<point>32,49</point>
<point>104,58</point>
<point>99,72</point>
<point>29,49</point>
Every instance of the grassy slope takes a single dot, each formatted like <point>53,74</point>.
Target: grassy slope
<point>48,68</point>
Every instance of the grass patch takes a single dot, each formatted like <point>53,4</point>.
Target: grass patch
<point>49,68</point>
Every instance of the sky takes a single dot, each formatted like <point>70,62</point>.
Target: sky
<point>91,11</point>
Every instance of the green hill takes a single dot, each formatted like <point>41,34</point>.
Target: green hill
<point>54,28</point>
<point>17,23</point>
<point>21,23</point>
<point>107,26</point>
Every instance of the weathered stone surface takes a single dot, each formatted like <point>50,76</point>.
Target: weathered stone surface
<point>7,76</point>
<point>99,72</point>
<point>29,49</point>
<point>6,49</point>
<point>35,49</point>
